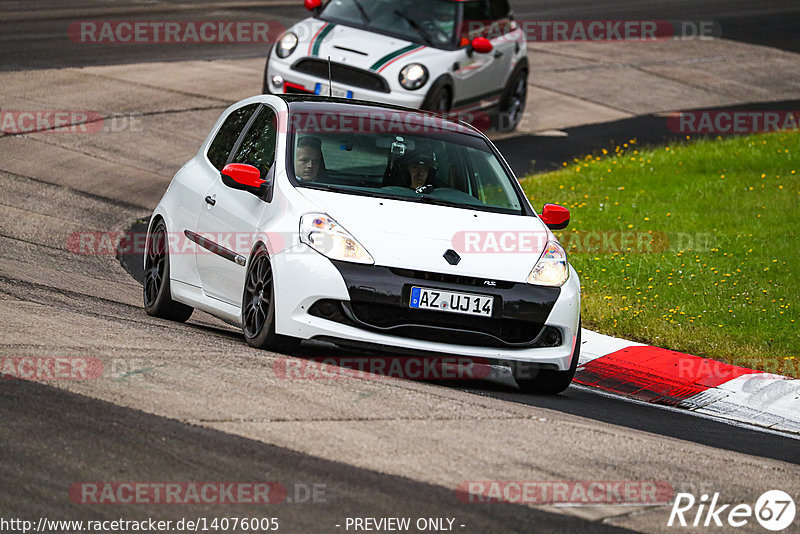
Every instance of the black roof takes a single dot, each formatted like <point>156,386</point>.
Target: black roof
<point>322,100</point>
<point>295,97</point>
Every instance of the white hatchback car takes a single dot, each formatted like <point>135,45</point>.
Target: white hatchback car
<point>467,57</point>
<point>370,225</point>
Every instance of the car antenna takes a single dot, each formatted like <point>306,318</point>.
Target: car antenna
<point>330,80</point>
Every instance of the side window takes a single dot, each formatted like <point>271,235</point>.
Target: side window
<point>500,9</point>
<point>479,16</point>
<point>258,145</point>
<point>221,146</point>
<point>478,10</point>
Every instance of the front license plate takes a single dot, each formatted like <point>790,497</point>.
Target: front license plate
<point>325,90</point>
<point>435,299</point>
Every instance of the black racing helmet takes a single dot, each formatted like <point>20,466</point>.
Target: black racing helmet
<point>420,157</point>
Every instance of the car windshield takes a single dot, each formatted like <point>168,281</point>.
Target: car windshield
<point>430,22</point>
<point>400,155</point>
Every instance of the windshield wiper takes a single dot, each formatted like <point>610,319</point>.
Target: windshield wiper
<point>362,11</point>
<point>413,24</point>
<point>425,199</point>
<point>422,199</point>
<point>339,189</point>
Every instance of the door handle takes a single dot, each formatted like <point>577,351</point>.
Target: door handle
<point>498,54</point>
<point>210,200</point>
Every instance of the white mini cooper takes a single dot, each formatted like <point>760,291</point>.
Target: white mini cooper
<point>305,217</point>
<point>467,57</point>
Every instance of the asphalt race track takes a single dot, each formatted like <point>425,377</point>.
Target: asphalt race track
<point>49,423</point>
<point>193,403</point>
<point>35,36</point>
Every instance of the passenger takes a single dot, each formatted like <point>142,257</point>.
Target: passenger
<point>309,163</point>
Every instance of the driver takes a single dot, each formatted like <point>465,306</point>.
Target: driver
<point>443,21</point>
<point>418,169</point>
<point>436,19</point>
<point>309,164</point>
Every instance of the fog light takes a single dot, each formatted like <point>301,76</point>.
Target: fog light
<point>551,337</point>
<point>277,82</point>
<point>327,309</point>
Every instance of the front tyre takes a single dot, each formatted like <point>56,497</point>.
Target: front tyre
<point>438,100</point>
<point>512,106</point>
<point>532,380</point>
<point>258,307</point>
<point>156,291</point>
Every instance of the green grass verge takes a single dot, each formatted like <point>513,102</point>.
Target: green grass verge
<point>692,247</point>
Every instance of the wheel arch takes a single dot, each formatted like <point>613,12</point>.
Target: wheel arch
<point>443,81</point>
<point>522,64</point>
<point>257,245</point>
<point>158,215</point>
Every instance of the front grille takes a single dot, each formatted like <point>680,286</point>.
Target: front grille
<point>436,326</point>
<point>342,74</point>
<point>506,330</point>
<point>451,278</point>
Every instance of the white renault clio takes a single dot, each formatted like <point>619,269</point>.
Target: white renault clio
<point>370,225</point>
<point>463,56</point>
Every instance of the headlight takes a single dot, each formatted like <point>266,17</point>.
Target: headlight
<point>413,76</point>
<point>286,45</point>
<point>552,268</point>
<point>326,236</point>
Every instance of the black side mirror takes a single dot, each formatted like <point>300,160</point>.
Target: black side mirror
<point>267,188</point>
<point>243,177</point>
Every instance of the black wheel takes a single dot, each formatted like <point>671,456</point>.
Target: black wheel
<point>156,292</point>
<point>513,104</point>
<point>438,101</point>
<point>258,307</point>
<point>534,380</point>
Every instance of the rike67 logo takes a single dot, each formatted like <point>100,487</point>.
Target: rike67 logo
<point>774,510</point>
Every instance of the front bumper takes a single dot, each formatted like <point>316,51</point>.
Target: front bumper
<point>371,307</point>
<point>299,82</point>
